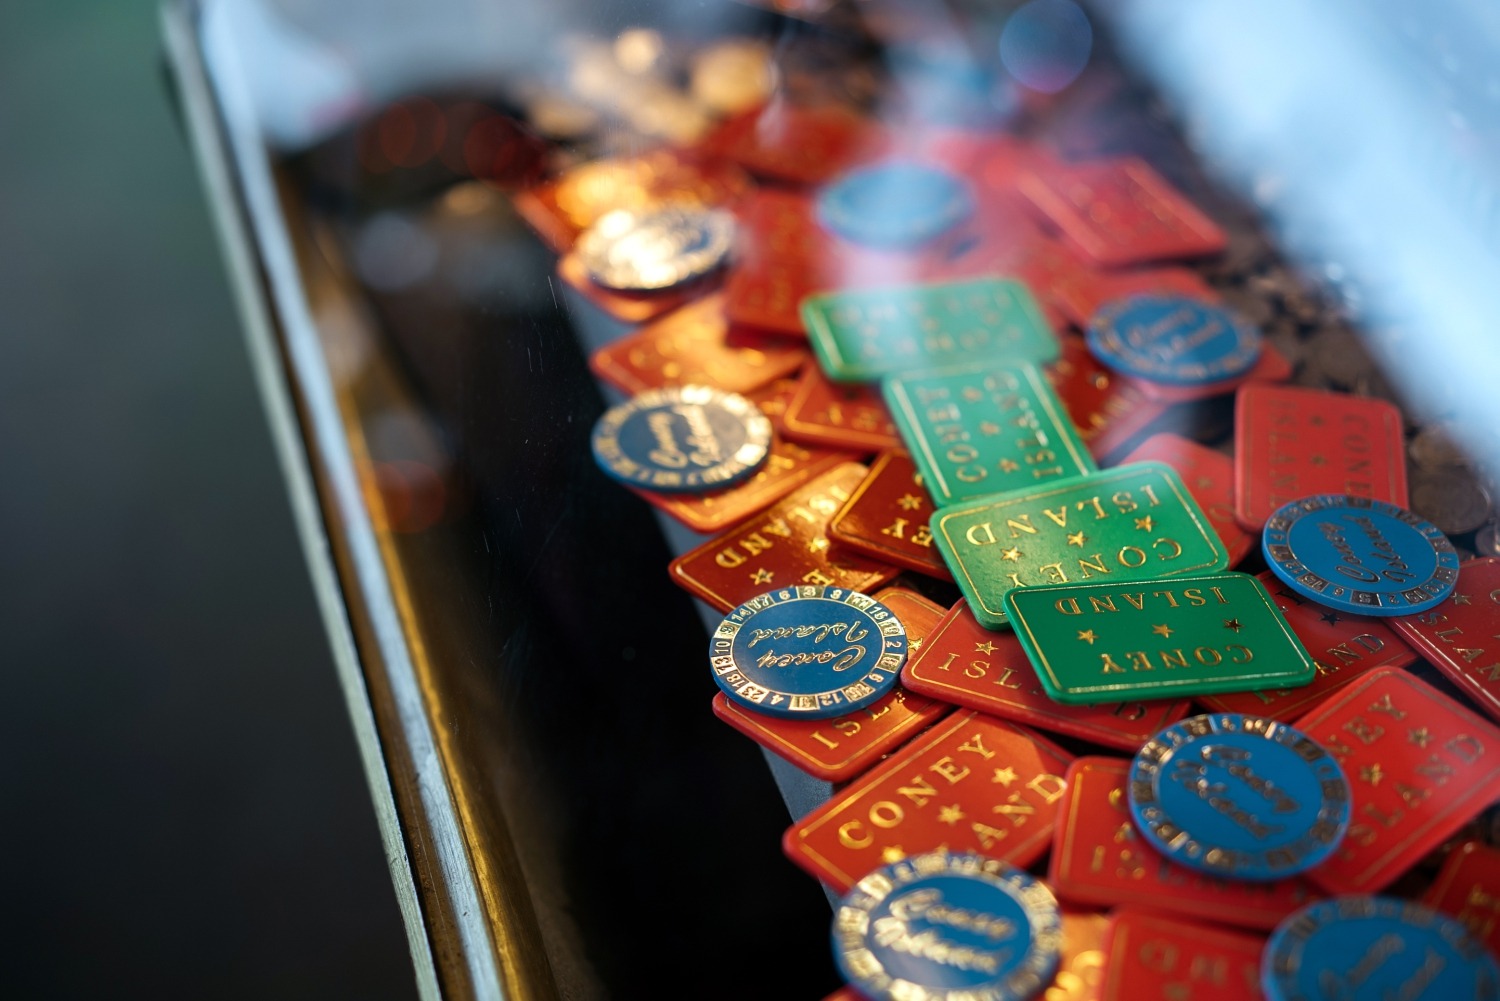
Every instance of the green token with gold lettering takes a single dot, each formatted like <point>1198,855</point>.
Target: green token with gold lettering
<point>985,429</point>
<point>1133,522</point>
<point>869,333</point>
<point>1096,642</point>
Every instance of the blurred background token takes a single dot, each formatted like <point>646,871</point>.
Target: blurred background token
<point>1243,797</point>
<point>1375,947</point>
<point>682,439</point>
<point>808,652</point>
<point>1354,554</point>
<point>896,204</point>
<point>642,252</point>
<point>948,926</point>
<point>1173,339</point>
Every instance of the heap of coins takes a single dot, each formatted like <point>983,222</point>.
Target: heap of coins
<point>1187,715</point>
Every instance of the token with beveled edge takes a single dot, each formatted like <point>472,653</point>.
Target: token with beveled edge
<point>894,204</point>
<point>682,439</point>
<point>643,252</point>
<point>1173,339</point>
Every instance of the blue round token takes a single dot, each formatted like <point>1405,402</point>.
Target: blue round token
<point>808,652</point>
<point>945,927</point>
<point>1374,948</point>
<point>895,204</point>
<point>1359,555</point>
<point>1173,339</point>
<point>1241,797</point>
<point>682,439</point>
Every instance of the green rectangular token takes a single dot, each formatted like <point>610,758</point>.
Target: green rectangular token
<point>985,429</point>
<point>1094,643</point>
<point>866,334</point>
<point>1133,522</point>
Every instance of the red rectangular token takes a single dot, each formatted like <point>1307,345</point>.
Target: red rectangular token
<point>631,307</point>
<point>971,783</point>
<point>800,144</point>
<point>1009,245</point>
<point>1153,957</point>
<point>1108,411</point>
<point>1343,648</point>
<point>1099,858</point>
<point>886,517</point>
<point>847,415</point>
<point>1209,477</point>
<point>969,665</point>
<point>1121,212</point>
<point>1079,300</point>
<point>836,750</point>
<point>1468,888</point>
<point>696,345</point>
<point>784,546</point>
<point>1419,767</point>
<point>1461,636</point>
<point>1291,442</point>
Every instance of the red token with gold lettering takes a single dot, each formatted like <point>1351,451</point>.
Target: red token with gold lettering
<point>839,415</point>
<point>1343,648</point>
<point>1209,477</point>
<point>1461,636</point>
<point>1152,956</point>
<point>1468,888</point>
<point>1291,443</point>
<point>1012,247</point>
<point>965,663</point>
<point>971,783</point>
<point>696,345</point>
<point>802,144</point>
<point>1109,412</point>
<point>1121,212</point>
<point>836,750</point>
<point>783,546</point>
<point>887,515</point>
<point>788,466</point>
<point>1099,858</point>
<point>1419,765</point>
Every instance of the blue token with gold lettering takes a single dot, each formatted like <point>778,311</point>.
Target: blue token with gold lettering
<point>1173,339</point>
<point>1375,948</point>
<point>896,204</point>
<point>682,439</point>
<point>1243,797</point>
<point>808,652</point>
<point>945,927</point>
<point>1358,555</point>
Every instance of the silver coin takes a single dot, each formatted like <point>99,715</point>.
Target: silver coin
<point>1451,499</point>
<point>642,252</point>
<point>1434,448</point>
<point>1487,540</point>
<point>1340,355</point>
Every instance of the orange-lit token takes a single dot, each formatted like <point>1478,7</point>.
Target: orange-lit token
<point>1109,412</point>
<point>1121,212</point>
<point>887,517</point>
<point>1209,477</point>
<point>836,750</point>
<point>839,415</point>
<point>1291,443</point>
<point>631,307</point>
<point>785,545</point>
<point>1468,888</point>
<point>801,144</point>
<point>1152,957</point>
<point>1461,636</point>
<point>1419,765</point>
<point>964,663</point>
<point>1080,971</point>
<point>1099,859</point>
<point>696,344</point>
<point>1343,648</point>
<point>971,783</point>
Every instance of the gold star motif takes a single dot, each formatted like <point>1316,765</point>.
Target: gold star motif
<point>1008,466</point>
<point>1460,599</point>
<point>910,502</point>
<point>892,853</point>
<point>1233,624</point>
<point>761,576</point>
<point>989,428</point>
<point>1144,524</point>
<point>1004,776</point>
<point>1419,736</point>
<point>986,647</point>
<point>1163,630</point>
<point>1372,774</point>
<point>971,394</point>
<point>1317,460</point>
<point>950,815</point>
<point>1011,554</point>
<point>817,545</point>
<point>915,644</point>
<point>1076,539</point>
<point>1204,482</point>
<point>1087,635</point>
